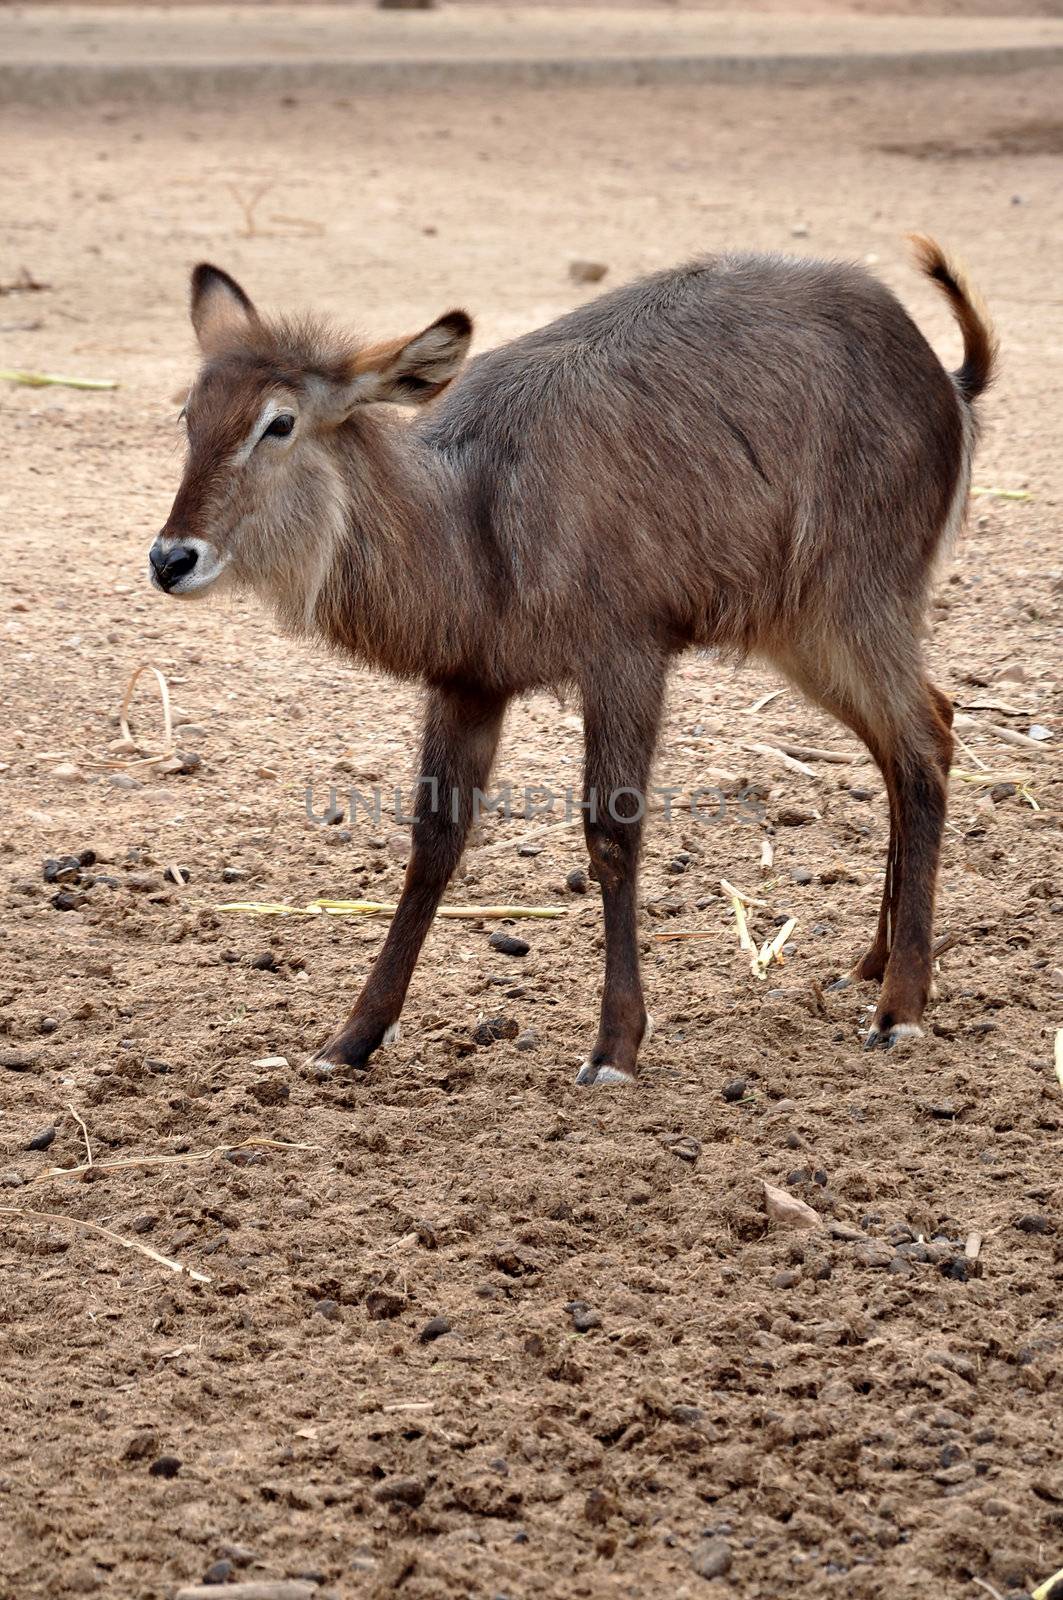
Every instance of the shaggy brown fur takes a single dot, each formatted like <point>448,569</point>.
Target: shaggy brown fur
<point>751,453</point>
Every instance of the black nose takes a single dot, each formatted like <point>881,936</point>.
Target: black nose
<point>173,564</point>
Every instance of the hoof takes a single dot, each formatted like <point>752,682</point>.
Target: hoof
<point>883,1036</point>
<point>352,1053</point>
<point>338,1056</point>
<point>602,1076</point>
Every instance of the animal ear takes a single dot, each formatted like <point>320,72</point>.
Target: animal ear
<point>221,311</point>
<point>412,371</point>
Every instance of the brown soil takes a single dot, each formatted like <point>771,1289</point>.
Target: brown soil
<point>846,1420</point>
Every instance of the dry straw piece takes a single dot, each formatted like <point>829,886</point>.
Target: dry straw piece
<point>45,380</point>
<point>23,1214</point>
<point>125,1163</point>
<point>190,1158</point>
<point>1051,1588</point>
<point>989,780</point>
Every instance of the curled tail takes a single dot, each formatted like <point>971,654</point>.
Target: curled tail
<point>969,309</point>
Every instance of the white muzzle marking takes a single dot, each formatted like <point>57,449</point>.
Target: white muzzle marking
<point>210,564</point>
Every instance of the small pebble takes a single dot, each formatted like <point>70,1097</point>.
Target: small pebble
<point>219,1572</point>
<point>18,1060</point>
<point>165,1467</point>
<point>801,875</point>
<point>143,882</point>
<point>42,1140</point>
<point>789,1279</point>
<point>144,1222</point>
<point>266,962</point>
<point>711,1559</point>
<point>576,882</point>
<point>434,1328</point>
<point>329,1309</point>
<point>62,869</point>
<point>526,1040</point>
<point>583,1317</point>
<point>580,271</point>
<point>873,1253</point>
<point>507,944</point>
<point>1033,1223</point>
<point>400,1491</point>
<point>735,1090</point>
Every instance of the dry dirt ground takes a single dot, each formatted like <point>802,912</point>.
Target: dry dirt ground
<point>859,1411</point>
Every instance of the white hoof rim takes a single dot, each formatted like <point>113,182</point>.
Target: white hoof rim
<point>886,1038</point>
<point>600,1077</point>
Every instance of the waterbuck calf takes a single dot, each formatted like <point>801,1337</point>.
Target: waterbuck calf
<point>752,453</point>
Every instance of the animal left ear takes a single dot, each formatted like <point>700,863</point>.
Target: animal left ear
<point>410,372</point>
<point>221,311</point>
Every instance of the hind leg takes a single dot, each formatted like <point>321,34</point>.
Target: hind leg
<point>807,673</point>
<point>920,757</point>
<point>905,723</point>
<point>872,966</point>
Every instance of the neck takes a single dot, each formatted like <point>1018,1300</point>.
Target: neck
<point>383,573</point>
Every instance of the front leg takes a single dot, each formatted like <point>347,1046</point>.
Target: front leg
<point>621,715</point>
<point>460,739</point>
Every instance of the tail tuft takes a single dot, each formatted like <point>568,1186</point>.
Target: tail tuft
<point>969,309</point>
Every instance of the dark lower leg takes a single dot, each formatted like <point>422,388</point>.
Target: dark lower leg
<point>921,803</point>
<point>614,850</point>
<point>621,722</point>
<point>461,735</point>
<point>872,966</point>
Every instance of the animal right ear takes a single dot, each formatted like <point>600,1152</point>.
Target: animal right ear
<point>412,371</point>
<point>221,311</point>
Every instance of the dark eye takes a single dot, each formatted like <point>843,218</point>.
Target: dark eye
<point>280,427</point>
